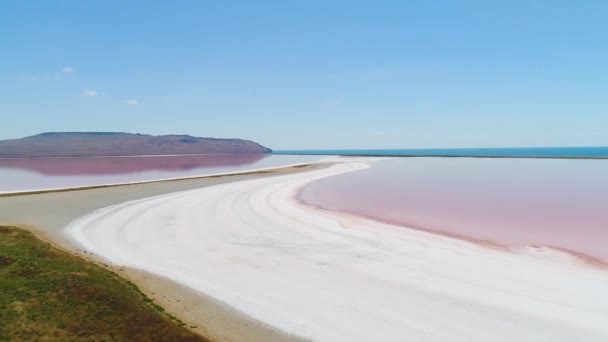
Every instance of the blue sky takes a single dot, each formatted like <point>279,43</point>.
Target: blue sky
<point>310,74</point>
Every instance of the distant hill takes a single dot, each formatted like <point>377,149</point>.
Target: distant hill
<point>85,144</point>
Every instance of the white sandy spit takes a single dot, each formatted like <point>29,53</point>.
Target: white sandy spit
<point>335,277</point>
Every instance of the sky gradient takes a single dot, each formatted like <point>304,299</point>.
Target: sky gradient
<point>310,74</point>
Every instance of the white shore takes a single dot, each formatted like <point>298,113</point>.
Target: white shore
<point>335,277</point>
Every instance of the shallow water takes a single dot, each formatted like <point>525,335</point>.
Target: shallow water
<point>29,174</point>
<point>512,202</point>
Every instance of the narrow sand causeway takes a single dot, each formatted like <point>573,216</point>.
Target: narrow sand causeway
<point>335,277</point>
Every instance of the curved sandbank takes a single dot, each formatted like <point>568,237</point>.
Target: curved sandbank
<point>335,277</point>
<point>47,214</point>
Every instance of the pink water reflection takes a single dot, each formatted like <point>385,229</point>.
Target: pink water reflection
<point>125,165</point>
<point>514,202</point>
<point>32,174</point>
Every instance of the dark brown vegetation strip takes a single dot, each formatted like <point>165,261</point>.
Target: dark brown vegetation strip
<point>46,293</point>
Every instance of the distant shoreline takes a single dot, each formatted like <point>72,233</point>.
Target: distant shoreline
<point>579,152</point>
<point>341,153</point>
<point>444,156</point>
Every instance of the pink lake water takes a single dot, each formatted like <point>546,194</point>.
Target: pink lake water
<point>30,174</point>
<point>559,203</point>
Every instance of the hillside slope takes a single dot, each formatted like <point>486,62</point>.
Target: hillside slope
<point>83,144</point>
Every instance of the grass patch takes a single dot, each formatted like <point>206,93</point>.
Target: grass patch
<point>49,294</point>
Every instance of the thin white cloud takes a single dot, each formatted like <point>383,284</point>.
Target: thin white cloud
<point>132,102</point>
<point>68,69</point>
<point>89,92</point>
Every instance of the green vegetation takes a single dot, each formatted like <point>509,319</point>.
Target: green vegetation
<point>49,294</point>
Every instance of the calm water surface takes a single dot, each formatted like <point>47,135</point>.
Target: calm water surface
<point>513,202</point>
<point>27,174</point>
<point>547,152</point>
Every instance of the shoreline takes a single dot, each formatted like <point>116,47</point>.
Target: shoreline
<point>297,248</point>
<point>200,313</point>
<point>582,257</point>
<point>445,156</point>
